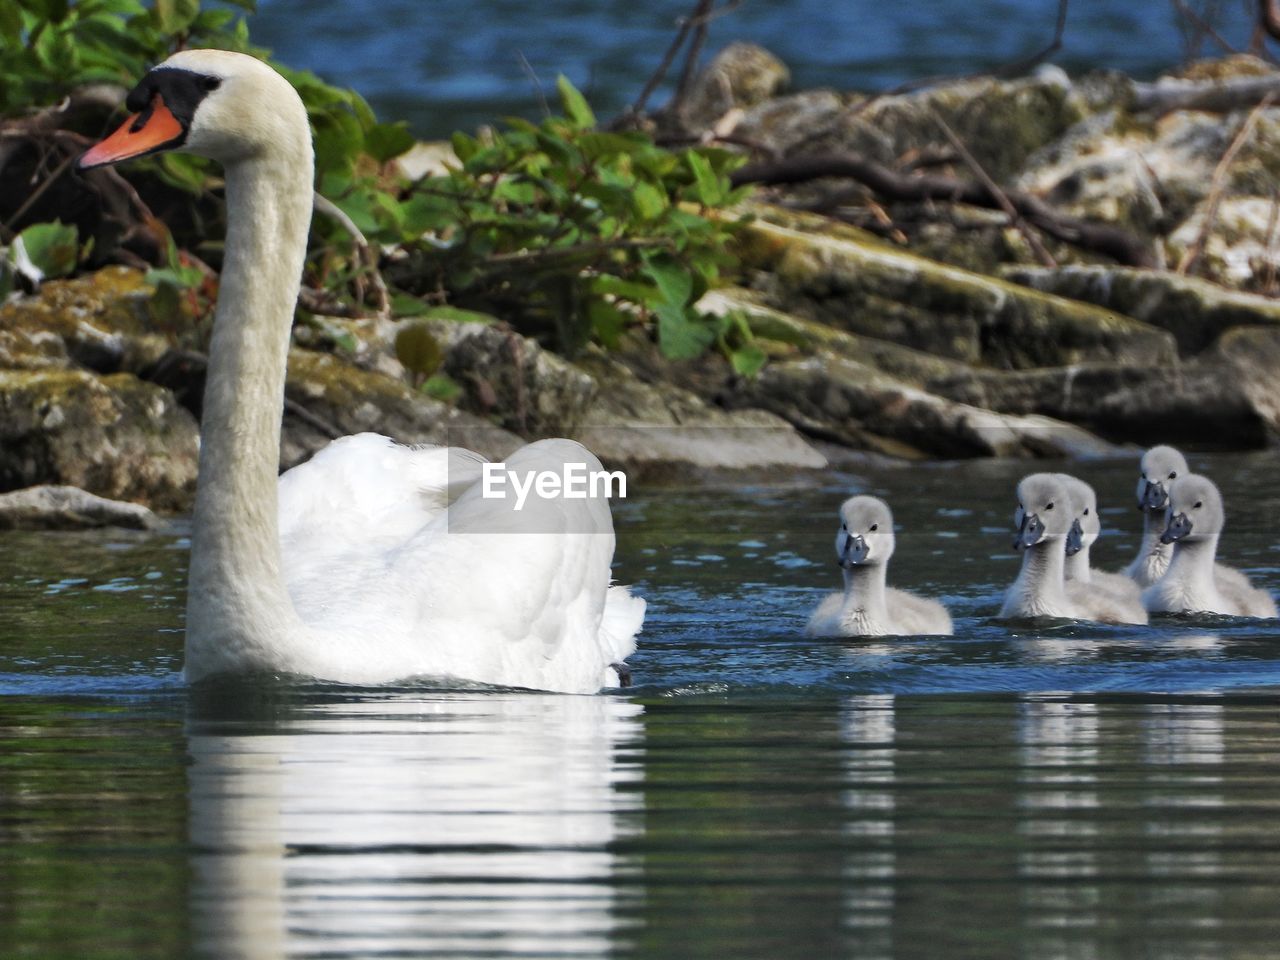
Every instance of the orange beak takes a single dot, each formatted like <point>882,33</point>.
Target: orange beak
<point>146,132</point>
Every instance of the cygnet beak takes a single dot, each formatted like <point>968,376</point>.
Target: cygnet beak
<point>1030,533</point>
<point>855,551</point>
<point>1154,496</point>
<point>1075,538</point>
<point>1178,528</point>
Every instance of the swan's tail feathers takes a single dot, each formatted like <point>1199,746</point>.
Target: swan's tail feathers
<point>623,616</point>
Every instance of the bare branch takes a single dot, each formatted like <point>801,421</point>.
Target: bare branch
<point>997,193</point>
<point>1120,245</point>
<point>1218,185</point>
<point>364,250</point>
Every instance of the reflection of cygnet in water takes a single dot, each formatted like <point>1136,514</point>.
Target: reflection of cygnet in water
<point>1194,583</point>
<point>868,608</point>
<point>1108,597</point>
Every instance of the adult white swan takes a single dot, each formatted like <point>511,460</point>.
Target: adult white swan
<point>373,562</point>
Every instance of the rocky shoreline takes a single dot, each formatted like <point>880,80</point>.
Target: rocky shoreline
<point>909,328</point>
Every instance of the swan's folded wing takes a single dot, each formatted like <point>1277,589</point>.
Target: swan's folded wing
<point>367,492</point>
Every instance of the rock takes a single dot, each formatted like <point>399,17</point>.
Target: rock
<point>1150,174</point>
<point>850,403</point>
<point>331,398</point>
<point>104,322</point>
<point>528,390</point>
<point>69,508</point>
<point>663,430</point>
<point>1195,311</point>
<point>1000,121</point>
<point>741,75</point>
<point>1240,248</point>
<point>1191,403</point>
<point>115,436</point>
<point>872,289</point>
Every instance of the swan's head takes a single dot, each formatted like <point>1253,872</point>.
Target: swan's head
<point>1160,467</point>
<point>1085,524</point>
<point>1044,510</point>
<point>213,103</point>
<point>865,536</point>
<point>1194,511</point>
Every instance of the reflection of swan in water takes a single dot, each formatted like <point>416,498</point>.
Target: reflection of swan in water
<point>411,824</point>
<point>869,733</point>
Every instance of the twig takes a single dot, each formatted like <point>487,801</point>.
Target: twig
<point>312,419</point>
<point>1001,198</point>
<point>1270,251</point>
<point>330,209</point>
<point>691,56</point>
<point>1117,243</point>
<point>576,250</point>
<point>527,67</point>
<point>1218,184</point>
<point>1205,28</point>
<point>703,13</point>
<point>1214,96</point>
<point>8,229</point>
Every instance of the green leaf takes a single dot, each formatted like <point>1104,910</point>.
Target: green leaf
<point>648,201</point>
<point>174,16</point>
<point>386,141</point>
<point>747,360</point>
<point>709,189</point>
<point>682,335</point>
<point>673,281</point>
<point>575,104</point>
<point>458,315</point>
<point>442,387</point>
<point>51,248</point>
<point>417,349</point>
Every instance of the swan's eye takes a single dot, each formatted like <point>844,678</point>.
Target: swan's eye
<point>1048,506</point>
<point>873,528</point>
<point>210,83</point>
<point>1173,475</point>
<point>1197,505</point>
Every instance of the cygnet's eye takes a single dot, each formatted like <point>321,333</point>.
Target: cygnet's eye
<point>1197,505</point>
<point>873,528</point>
<point>1173,475</point>
<point>1086,511</point>
<point>1049,505</point>
<point>844,527</point>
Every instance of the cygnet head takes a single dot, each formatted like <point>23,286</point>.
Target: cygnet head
<point>1194,511</point>
<point>1085,525</point>
<point>1044,510</point>
<point>1161,466</point>
<point>213,103</point>
<point>865,537</point>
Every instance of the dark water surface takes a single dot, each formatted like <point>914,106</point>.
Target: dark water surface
<point>446,66</point>
<point>1043,791</point>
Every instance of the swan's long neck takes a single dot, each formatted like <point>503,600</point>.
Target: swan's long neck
<point>237,606</point>
<point>864,593</point>
<point>1042,571</point>
<point>1153,524</point>
<point>1191,570</point>
<point>1076,567</point>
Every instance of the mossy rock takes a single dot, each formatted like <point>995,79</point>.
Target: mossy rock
<point>115,436</point>
<point>330,397</point>
<point>1196,312</point>
<point>878,291</point>
<point>105,321</point>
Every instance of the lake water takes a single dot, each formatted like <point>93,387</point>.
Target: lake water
<point>447,66</point>
<point>1045,791</point>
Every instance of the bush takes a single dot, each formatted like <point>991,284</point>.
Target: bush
<point>569,233</point>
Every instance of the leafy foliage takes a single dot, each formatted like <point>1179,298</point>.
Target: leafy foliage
<point>570,233</point>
